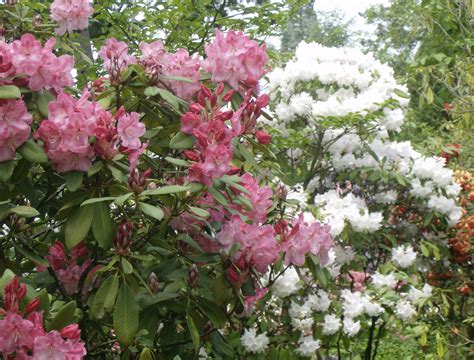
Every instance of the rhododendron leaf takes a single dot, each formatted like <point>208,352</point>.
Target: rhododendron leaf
<point>95,168</point>
<point>190,241</point>
<point>44,301</point>
<point>401,179</point>
<point>151,210</point>
<point>439,345</point>
<point>193,330</point>
<point>151,91</point>
<point>78,225</point>
<point>125,317</point>
<point>247,155</point>
<point>25,211</point>
<point>213,312</point>
<point>5,279</point>
<point>97,200</point>
<point>171,99</point>
<point>401,93</point>
<point>218,196</point>
<point>43,98</point>
<point>170,189</point>
<point>105,297</point>
<point>179,162</point>
<point>32,152</point>
<point>64,317</point>
<point>6,170</point>
<point>9,92</point>
<point>199,212</point>
<point>74,180</point>
<point>424,250</point>
<point>121,199</point>
<point>182,141</point>
<point>146,354</point>
<point>177,78</point>
<point>32,256</point>
<point>102,226</point>
<point>126,266</point>
<point>117,174</point>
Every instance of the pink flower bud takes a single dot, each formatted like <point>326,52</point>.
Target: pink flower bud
<point>71,332</point>
<point>263,137</point>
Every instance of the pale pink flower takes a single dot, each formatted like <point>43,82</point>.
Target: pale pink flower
<point>15,333</point>
<point>260,197</point>
<point>115,56</point>
<point>182,65</point>
<point>15,121</point>
<point>130,129</point>
<point>152,53</point>
<point>52,346</point>
<point>71,15</point>
<point>235,59</point>
<point>6,65</point>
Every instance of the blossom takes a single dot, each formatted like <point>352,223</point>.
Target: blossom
<point>415,295</point>
<point>15,121</point>
<point>306,238</point>
<point>331,324</point>
<point>115,56</point>
<point>301,318</point>
<point>15,333</point>
<point>353,305</point>
<point>287,284</point>
<point>181,64</point>
<point>235,59</point>
<point>307,346</point>
<point>319,301</point>
<point>71,15</point>
<point>45,70</point>
<point>53,346</point>
<point>380,280</point>
<point>130,129</point>
<point>404,310</point>
<point>403,256</point>
<point>259,196</point>
<point>351,327</point>
<point>254,343</point>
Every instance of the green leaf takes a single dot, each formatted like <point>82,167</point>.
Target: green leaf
<point>193,331</point>
<point>169,98</point>
<point>78,225</point>
<point>64,317</point>
<point>179,162</point>
<point>150,210</point>
<point>181,141</point>
<point>177,78</point>
<point>126,266</point>
<point>95,168</point>
<point>401,93</point>
<point>74,180</point>
<point>247,155</point>
<point>9,92</point>
<point>105,297</point>
<point>7,276</point>
<point>125,317</point>
<point>6,170</point>
<point>171,189</point>
<point>121,199</point>
<point>213,312</point>
<point>429,96</point>
<point>190,241</point>
<point>439,345</point>
<point>98,200</point>
<point>102,226</point>
<point>218,196</point>
<point>25,211</point>
<point>146,354</point>
<point>32,152</point>
<point>199,212</point>
<point>424,250</point>
<point>151,91</point>
<point>43,98</point>
<point>401,179</point>
<point>32,256</point>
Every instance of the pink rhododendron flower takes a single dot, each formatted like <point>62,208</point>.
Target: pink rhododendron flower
<point>44,68</point>
<point>6,64</point>
<point>52,346</point>
<point>357,278</point>
<point>130,129</point>
<point>260,197</point>
<point>182,65</point>
<point>152,54</point>
<point>71,15</point>
<point>249,301</point>
<point>304,238</point>
<point>15,332</point>
<point>15,121</point>
<point>115,56</point>
<point>263,137</point>
<point>257,243</point>
<point>235,59</point>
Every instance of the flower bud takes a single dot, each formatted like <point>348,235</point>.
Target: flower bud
<point>281,192</point>
<point>123,238</point>
<point>153,283</point>
<point>32,305</point>
<point>263,137</point>
<point>71,332</point>
<point>193,276</point>
<point>228,96</point>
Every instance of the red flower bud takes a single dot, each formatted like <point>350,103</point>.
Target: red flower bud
<point>32,305</point>
<point>71,332</point>
<point>228,96</point>
<point>263,137</point>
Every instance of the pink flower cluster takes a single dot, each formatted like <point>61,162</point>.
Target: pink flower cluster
<point>257,243</point>
<point>303,238</point>
<point>15,121</point>
<point>116,58</point>
<point>357,279</point>
<point>260,198</point>
<point>70,125</point>
<point>159,63</point>
<point>28,58</point>
<point>69,270</point>
<point>71,14</point>
<point>235,59</point>
<point>22,335</point>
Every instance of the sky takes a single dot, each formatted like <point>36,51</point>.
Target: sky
<point>351,9</point>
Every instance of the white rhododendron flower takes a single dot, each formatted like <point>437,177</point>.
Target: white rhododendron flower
<point>253,343</point>
<point>405,310</point>
<point>403,256</point>
<point>331,324</point>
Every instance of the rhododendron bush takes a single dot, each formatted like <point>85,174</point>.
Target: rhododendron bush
<point>183,204</point>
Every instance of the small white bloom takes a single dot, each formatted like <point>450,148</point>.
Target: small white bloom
<point>307,346</point>
<point>379,280</point>
<point>287,284</point>
<point>351,327</point>
<point>331,324</point>
<point>403,256</point>
<point>253,343</point>
<point>405,310</point>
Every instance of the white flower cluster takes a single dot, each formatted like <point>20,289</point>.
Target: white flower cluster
<point>342,81</point>
<point>253,343</point>
<point>287,284</point>
<point>337,209</point>
<point>380,281</point>
<point>404,256</point>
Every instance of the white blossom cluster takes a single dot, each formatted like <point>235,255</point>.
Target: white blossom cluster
<point>337,209</point>
<point>254,343</point>
<point>404,256</point>
<point>344,81</point>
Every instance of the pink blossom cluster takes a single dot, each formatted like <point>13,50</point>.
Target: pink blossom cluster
<point>257,243</point>
<point>116,58</point>
<point>43,69</point>
<point>22,335</point>
<point>69,269</point>
<point>357,279</point>
<point>71,15</point>
<point>15,121</point>
<point>260,198</point>
<point>303,238</point>
<point>160,64</point>
<point>235,59</point>
<point>70,125</point>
